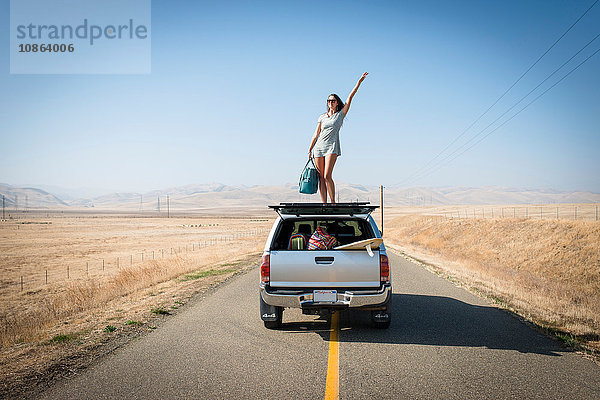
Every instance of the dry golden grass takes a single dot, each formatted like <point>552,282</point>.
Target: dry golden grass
<point>34,321</point>
<point>29,247</point>
<point>547,270</point>
<point>29,250</point>
<point>567,212</point>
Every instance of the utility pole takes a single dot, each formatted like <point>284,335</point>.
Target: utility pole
<point>382,210</point>
<point>4,206</point>
<point>26,202</point>
<point>158,207</point>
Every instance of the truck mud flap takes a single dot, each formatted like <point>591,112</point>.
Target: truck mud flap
<point>268,312</point>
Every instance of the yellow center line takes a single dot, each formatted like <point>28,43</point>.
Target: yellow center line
<point>332,386</point>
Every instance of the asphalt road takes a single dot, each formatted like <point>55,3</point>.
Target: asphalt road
<point>444,343</point>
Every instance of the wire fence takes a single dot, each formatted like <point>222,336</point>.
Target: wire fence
<point>541,212</point>
<point>96,268</point>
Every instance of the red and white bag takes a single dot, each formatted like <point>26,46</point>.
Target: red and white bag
<point>321,240</point>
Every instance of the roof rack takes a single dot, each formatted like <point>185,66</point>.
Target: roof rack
<point>299,209</point>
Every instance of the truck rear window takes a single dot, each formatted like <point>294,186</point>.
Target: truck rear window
<point>344,230</point>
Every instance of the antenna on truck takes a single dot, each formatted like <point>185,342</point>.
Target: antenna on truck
<point>381,210</point>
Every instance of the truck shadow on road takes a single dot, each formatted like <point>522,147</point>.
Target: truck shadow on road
<point>321,326</point>
<point>445,321</point>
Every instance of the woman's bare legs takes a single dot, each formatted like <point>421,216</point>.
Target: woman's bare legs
<point>330,160</point>
<point>325,167</point>
<point>320,164</point>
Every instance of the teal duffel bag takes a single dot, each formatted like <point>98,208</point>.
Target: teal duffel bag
<point>309,179</point>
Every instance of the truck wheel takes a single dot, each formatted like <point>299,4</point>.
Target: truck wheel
<point>381,324</point>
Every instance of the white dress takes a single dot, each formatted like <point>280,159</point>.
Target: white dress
<point>329,138</point>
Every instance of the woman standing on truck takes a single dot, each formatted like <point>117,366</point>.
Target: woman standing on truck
<point>325,144</point>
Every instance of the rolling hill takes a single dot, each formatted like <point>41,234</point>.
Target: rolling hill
<point>216,195</point>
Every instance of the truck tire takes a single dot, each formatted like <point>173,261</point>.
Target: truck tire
<point>381,324</point>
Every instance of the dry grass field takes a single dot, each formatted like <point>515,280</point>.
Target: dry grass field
<point>547,270</point>
<point>77,254</point>
<point>157,257</point>
<point>563,212</point>
<point>30,247</point>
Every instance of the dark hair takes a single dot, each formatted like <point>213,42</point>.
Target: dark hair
<point>340,104</point>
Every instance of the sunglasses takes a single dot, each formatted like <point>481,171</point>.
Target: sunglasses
<point>331,100</point>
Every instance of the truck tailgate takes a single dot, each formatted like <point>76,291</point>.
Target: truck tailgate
<point>320,269</point>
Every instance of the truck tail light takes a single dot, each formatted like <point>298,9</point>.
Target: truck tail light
<point>265,268</point>
<point>384,268</point>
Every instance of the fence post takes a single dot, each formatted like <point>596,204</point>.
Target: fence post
<point>575,213</point>
<point>117,262</point>
<point>502,212</point>
<point>153,254</point>
<point>541,213</point>
<point>87,267</point>
<point>46,277</point>
<point>21,283</point>
<point>67,272</point>
<point>557,213</point>
<point>102,264</point>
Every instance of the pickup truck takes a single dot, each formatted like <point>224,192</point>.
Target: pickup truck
<point>322,281</point>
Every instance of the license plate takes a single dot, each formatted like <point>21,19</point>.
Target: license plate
<point>328,296</point>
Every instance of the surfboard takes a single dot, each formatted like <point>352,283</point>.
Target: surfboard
<point>367,244</point>
<point>361,244</point>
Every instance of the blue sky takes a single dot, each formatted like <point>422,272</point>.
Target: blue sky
<point>236,89</point>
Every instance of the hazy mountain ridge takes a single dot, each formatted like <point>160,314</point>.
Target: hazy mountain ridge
<point>27,197</point>
<point>211,195</point>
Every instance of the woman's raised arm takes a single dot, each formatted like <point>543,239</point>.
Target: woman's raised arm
<point>352,93</point>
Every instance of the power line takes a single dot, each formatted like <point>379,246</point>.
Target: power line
<point>499,98</point>
<point>514,115</point>
<point>534,100</point>
<point>426,171</point>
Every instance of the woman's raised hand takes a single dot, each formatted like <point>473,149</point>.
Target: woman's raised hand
<point>353,92</point>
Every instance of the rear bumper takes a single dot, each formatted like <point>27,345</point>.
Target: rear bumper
<point>345,298</point>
